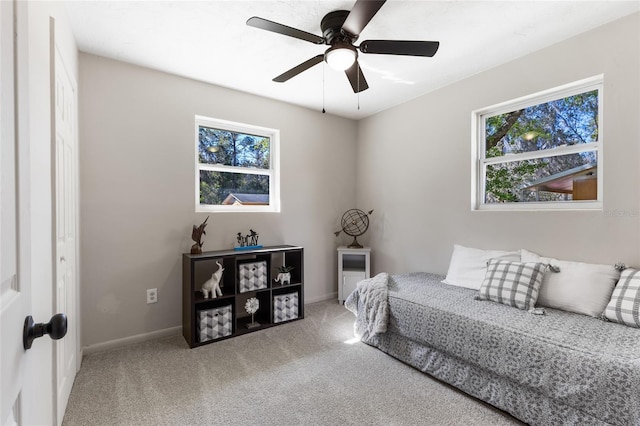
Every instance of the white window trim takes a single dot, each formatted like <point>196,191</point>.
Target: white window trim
<point>478,161</point>
<point>273,172</point>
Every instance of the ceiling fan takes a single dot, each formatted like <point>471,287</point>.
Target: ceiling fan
<point>340,29</point>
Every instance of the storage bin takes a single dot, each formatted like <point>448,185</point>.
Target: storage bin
<point>252,276</point>
<point>214,323</point>
<point>285,307</point>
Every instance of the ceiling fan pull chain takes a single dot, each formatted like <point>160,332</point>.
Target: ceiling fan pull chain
<point>358,65</point>
<point>323,111</point>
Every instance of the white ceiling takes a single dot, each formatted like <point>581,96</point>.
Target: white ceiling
<point>209,41</point>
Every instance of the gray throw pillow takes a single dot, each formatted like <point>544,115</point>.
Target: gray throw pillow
<point>624,307</point>
<point>512,283</point>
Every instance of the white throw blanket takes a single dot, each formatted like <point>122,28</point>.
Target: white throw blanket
<point>374,298</point>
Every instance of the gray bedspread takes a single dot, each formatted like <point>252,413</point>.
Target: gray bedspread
<point>557,368</point>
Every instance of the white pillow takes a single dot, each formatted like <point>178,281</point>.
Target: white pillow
<point>584,288</point>
<point>468,266</point>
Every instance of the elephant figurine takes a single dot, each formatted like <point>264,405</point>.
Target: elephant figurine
<point>284,278</point>
<point>212,285</point>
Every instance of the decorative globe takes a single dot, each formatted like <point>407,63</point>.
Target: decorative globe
<point>354,223</point>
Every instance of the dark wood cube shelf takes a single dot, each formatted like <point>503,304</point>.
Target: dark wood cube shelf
<point>197,268</point>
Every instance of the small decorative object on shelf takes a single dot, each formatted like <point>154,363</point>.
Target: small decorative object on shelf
<point>252,307</point>
<point>354,223</point>
<point>212,285</point>
<point>196,235</point>
<point>247,242</point>
<point>284,275</point>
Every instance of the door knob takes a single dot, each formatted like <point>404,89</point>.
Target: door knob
<point>56,328</point>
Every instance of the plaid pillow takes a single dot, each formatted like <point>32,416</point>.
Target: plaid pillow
<point>624,307</point>
<point>512,283</point>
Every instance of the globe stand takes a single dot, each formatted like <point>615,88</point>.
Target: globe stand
<point>355,244</point>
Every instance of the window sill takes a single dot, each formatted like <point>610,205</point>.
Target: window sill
<point>532,206</point>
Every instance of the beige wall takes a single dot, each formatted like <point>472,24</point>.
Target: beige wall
<point>414,163</point>
<point>137,191</point>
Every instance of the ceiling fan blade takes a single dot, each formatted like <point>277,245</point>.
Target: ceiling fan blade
<point>360,15</point>
<point>298,69</point>
<point>265,24</point>
<point>400,47</point>
<point>356,78</point>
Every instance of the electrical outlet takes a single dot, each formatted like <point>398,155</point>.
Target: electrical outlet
<point>152,295</point>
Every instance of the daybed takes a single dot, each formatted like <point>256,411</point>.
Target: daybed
<point>556,368</point>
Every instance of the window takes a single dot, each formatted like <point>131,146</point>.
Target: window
<point>542,151</point>
<point>236,167</point>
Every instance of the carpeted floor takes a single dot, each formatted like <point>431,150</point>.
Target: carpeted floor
<point>301,373</point>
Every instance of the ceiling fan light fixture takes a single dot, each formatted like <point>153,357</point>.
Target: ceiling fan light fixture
<point>341,56</point>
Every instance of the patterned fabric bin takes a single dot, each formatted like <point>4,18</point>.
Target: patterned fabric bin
<point>252,276</point>
<point>214,323</point>
<point>285,307</point>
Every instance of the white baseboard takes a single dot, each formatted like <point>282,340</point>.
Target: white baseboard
<point>329,296</point>
<point>118,343</point>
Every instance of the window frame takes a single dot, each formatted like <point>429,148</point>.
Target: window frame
<point>479,162</point>
<point>273,171</point>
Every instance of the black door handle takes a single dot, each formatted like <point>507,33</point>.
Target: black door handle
<point>56,328</point>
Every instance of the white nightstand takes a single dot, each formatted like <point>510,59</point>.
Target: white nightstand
<point>354,265</point>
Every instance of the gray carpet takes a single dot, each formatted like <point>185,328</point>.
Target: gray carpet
<point>300,373</point>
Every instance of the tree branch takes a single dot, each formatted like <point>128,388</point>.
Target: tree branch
<point>510,120</point>
<point>563,118</point>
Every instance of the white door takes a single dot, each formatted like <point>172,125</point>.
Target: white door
<point>11,294</point>
<point>26,391</point>
<point>66,227</point>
